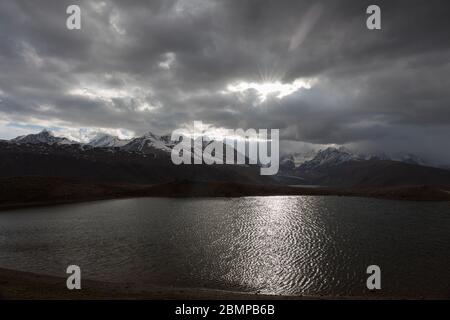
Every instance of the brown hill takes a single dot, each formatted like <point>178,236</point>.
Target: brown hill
<point>377,174</point>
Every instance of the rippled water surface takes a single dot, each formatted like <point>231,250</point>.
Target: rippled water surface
<point>288,245</point>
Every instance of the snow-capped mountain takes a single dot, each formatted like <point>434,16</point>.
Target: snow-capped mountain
<point>154,144</point>
<point>330,157</point>
<point>104,140</point>
<point>149,142</point>
<point>294,160</point>
<point>334,156</point>
<point>45,136</point>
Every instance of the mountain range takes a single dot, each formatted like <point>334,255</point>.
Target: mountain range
<point>142,160</point>
<point>45,136</point>
<point>333,156</point>
<point>146,159</point>
<point>103,140</point>
<point>150,142</point>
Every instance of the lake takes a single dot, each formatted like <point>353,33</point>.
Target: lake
<point>279,245</point>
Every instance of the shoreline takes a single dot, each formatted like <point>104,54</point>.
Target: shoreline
<point>21,285</point>
<point>43,204</point>
<point>29,192</point>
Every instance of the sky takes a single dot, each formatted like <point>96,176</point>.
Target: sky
<point>309,68</point>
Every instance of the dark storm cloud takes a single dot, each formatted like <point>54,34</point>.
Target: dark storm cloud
<point>157,65</point>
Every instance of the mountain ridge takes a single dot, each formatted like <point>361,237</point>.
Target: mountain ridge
<point>45,136</point>
<point>148,142</point>
<point>147,159</point>
<point>104,140</point>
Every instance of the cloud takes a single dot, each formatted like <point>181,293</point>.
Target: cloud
<point>160,65</point>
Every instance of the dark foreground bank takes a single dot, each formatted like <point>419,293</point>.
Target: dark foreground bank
<point>25,286</point>
<point>16,192</point>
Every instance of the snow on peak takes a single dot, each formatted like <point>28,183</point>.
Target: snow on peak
<point>329,157</point>
<point>104,140</point>
<point>150,140</point>
<point>45,136</point>
<point>333,156</point>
